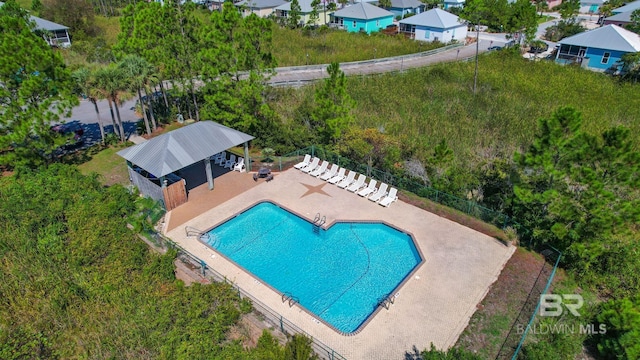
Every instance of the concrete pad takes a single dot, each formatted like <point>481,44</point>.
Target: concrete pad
<point>433,306</point>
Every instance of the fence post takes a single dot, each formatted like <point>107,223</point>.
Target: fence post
<point>280,162</point>
<point>203,265</point>
<point>312,150</point>
<point>281,326</point>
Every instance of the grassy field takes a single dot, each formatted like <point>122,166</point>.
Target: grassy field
<point>423,106</point>
<point>106,163</point>
<point>291,47</point>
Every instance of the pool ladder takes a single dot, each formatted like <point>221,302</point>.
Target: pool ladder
<point>191,231</point>
<point>318,222</point>
<point>287,296</point>
<point>386,301</point>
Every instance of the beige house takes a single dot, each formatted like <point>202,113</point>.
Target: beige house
<point>262,8</point>
<point>282,12</point>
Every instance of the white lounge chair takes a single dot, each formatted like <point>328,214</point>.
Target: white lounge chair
<point>320,169</point>
<point>222,158</point>
<point>358,184</point>
<point>303,163</point>
<point>393,196</point>
<point>239,166</point>
<point>369,189</point>
<point>231,162</point>
<point>314,164</point>
<point>215,158</point>
<point>382,191</point>
<point>337,177</point>
<point>348,180</point>
<point>329,173</point>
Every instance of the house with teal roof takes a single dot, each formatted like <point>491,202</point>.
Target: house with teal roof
<point>599,49</point>
<point>362,17</point>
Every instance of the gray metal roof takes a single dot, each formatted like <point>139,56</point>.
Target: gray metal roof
<point>47,25</point>
<point>609,37</point>
<point>406,4</point>
<point>625,17</point>
<point>42,24</point>
<point>260,4</point>
<point>305,6</point>
<point>627,8</point>
<point>182,147</point>
<point>364,11</point>
<point>435,18</point>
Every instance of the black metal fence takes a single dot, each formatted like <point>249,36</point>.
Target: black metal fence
<point>276,320</point>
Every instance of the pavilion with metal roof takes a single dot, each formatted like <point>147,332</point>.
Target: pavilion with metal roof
<point>152,164</point>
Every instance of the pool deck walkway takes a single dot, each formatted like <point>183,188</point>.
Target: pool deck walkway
<point>433,306</point>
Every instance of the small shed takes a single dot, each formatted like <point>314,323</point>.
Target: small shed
<point>153,163</point>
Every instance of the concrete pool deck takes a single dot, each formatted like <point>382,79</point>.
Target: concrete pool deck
<point>433,306</point>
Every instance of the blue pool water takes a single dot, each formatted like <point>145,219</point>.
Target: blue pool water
<point>339,275</point>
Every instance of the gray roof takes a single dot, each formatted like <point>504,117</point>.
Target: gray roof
<point>47,25</point>
<point>305,6</point>
<point>363,11</point>
<point>42,24</point>
<point>436,18</point>
<point>628,8</point>
<point>609,37</point>
<point>406,4</point>
<point>180,148</point>
<point>624,17</point>
<point>260,4</point>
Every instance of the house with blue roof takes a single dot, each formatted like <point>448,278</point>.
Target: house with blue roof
<point>400,8</point>
<point>362,17</point>
<point>434,25</point>
<point>599,49</point>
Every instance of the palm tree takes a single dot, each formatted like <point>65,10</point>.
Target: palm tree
<point>135,70</point>
<point>86,86</point>
<point>110,82</point>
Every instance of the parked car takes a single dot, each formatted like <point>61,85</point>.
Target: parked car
<point>495,47</point>
<point>68,129</point>
<point>538,48</point>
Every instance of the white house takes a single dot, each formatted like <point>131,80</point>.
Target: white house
<point>262,8</point>
<point>434,25</point>
<point>54,34</point>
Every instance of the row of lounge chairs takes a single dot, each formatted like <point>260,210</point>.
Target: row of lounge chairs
<point>333,174</point>
<point>233,163</point>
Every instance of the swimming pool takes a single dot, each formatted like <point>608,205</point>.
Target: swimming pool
<point>339,275</point>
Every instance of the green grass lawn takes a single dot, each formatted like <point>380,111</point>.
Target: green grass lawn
<point>106,163</point>
<point>544,19</point>
<point>291,47</point>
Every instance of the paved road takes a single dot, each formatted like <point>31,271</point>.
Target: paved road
<point>85,114</point>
